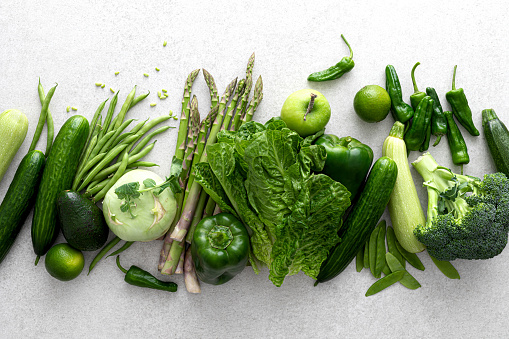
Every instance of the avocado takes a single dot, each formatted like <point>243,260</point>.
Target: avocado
<point>81,221</point>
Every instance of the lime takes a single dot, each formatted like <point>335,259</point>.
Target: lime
<point>64,262</point>
<point>372,103</point>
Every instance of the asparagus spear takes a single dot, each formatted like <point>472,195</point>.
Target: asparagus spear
<point>250,65</point>
<point>255,101</point>
<point>214,98</point>
<point>233,105</point>
<point>243,103</point>
<point>190,278</point>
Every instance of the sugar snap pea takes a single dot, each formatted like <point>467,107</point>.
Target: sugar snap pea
<point>380,250</point>
<point>412,258</point>
<point>102,253</point>
<point>391,244</point>
<point>366,254</point>
<point>385,282</point>
<point>394,265</point>
<point>359,260</point>
<point>372,249</point>
<point>446,268</point>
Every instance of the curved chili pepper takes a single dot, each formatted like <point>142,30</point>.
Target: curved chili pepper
<point>457,144</point>
<point>438,120</point>
<point>460,108</point>
<point>425,145</point>
<point>334,72</point>
<point>141,278</point>
<point>416,134</point>
<point>417,96</point>
<point>401,111</point>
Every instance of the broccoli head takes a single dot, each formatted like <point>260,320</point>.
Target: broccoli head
<point>467,218</point>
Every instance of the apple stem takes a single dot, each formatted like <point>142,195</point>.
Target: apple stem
<point>311,104</point>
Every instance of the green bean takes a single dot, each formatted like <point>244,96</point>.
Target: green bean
<point>394,265</point>
<point>138,99</point>
<point>113,180</point>
<point>380,250</point>
<point>100,142</point>
<point>446,268</point>
<point>106,160</point>
<point>107,171</point>
<point>359,260</point>
<point>125,107</point>
<point>49,119</point>
<point>82,165</point>
<point>86,168</point>
<point>103,252</point>
<point>366,254</point>
<point>93,123</point>
<point>153,123</point>
<point>42,118</point>
<point>391,244</point>
<point>122,249</point>
<point>147,138</point>
<point>412,258</point>
<point>141,164</point>
<point>372,248</point>
<point>385,282</point>
<point>111,141</point>
<point>95,187</point>
<point>111,109</point>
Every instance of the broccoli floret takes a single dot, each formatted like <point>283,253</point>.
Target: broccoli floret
<point>467,218</point>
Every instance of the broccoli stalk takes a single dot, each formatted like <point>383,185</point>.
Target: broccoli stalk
<point>467,218</point>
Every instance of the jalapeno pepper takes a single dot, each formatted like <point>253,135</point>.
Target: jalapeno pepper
<point>220,248</point>
<point>416,134</point>
<point>456,142</point>
<point>460,108</point>
<point>417,96</point>
<point>438,120</point>
<point>334,72</point>
<point>401,111</point>
<point>137,277</point>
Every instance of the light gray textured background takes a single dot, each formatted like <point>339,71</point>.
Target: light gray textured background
<point>76,44</point>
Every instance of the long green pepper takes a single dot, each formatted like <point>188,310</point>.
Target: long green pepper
<point>438,120</point>
<point>457,144</point>
<point>401,111</point>
<point>417,96</point>
<point>416,134</point>
<point>345,65</point>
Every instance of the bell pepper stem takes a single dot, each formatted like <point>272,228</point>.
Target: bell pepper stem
<point>311,104</point>
<point>454,78</point>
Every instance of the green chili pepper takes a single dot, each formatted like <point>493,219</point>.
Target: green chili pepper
<point>456,142</point>
<point>345,65</point>
<point>416,134</point>
<point>417,96</point>
<point>460,108</point>
<point>425,145</point>
<point>141,278</point>
<point>401,111</point>
<point>438,120</point>
<point>220,248</point>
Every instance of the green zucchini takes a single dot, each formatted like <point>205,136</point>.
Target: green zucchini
<point>13,129</point>
<point>362,219</point>
<point>57,176</point>
<point>19,199</point>
<point>497,138</point>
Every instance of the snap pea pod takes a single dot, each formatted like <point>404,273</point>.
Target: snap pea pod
<point>366,255</point>
<point>102,253</point>
<point>394,265</point>
<point>385,282</point>
<point>412,258</point>
<point>113,180</point>
<point>359,260</point>
<point>446,268</point>
<point>391,244</point>
<point>107,120</point>
<point>380,250</point>
<point>49,119</point>
<point>42,118</point>
<point>372,249</point>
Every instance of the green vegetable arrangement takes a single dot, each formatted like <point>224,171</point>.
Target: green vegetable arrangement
<point>263,174</point>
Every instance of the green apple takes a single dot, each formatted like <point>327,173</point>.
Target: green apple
<point>306,111</point>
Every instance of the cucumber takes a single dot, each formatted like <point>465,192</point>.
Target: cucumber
<point>19,199</point>
<point>497,138</point>
<point>362,219</point>
<point>13,129</point>
<point>57,176</point>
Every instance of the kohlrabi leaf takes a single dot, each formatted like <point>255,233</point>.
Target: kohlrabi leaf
<point>149,183</point>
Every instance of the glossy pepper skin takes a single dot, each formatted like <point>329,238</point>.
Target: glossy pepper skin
<point>345,65</point>
<point>220,248</point>
<point>460,108</point>
<point>401,111</point>
<point>137,277</point>
<point>348,161</point>
<point>417,133</point>
<point>417,96</point>
<point>438,120</point>
<point>457,144</point>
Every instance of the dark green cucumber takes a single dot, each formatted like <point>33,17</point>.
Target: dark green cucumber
<point>57,176</point>
<point>362,219</point>
<point>497,138</point>
<point>19,199</point>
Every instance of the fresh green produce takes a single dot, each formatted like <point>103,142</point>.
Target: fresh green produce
<point>425,145</point>
<point>19,199</point>
<point>460,108</point>
<point>306,111</point>
<point>103,252</point>
<point>362,219</point>
<point>263,175</point>
<point>220,248</point>
<point>64,262</point>
<point>394,265</point>
<point>401,111</point>
<point>417,133</point>
<point>372,103</point>
<point>43,117</point>
<point>138,207</point>
<point>417,96</point>
<point>348,161</point>
<point>411,258</point>
<point>446,268</point>
<point>138,277</point>
<point>57,176</point>
<point>345,65</point>
<point>81,221</point>
<point>438,120</point>
<point>49,118</point>
<point>457,144</point>
<point>404,207</point>
<point>468,218</point>
<point>13,129</point>
<point>383,283</point>
<point>497,138</point>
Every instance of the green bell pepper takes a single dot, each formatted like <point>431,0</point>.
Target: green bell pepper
<point>348,161</point>
<point>220,248</point>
